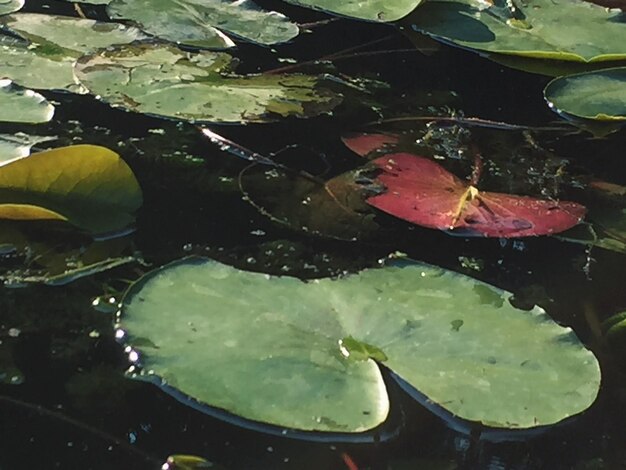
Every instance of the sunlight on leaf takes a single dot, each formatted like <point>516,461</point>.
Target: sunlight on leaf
<point>9,6</point>
<point>424,193</point>
<point>22,105</point>
<point>555,29</point>
<point>89,186</point>
<point>195,22</point>
<point>18,145</point>
<point>51,45</point>
<point>599,95</point>
<point>235,340</point>
<point>372,10</point>
<point>198,87</point>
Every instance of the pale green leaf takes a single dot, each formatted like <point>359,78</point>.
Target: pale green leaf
<point>195,22</point>
<point>372,10</point>
<point>273,349</point>
<point>22,105</point>
<point>599,95</point>
<point>51,45</point>
<point>553,29</point>
<point>165,81</point>
<point>9,6</point>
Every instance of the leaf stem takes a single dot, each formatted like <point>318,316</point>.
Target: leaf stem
<point>471,121</point>
<point>288,68</point>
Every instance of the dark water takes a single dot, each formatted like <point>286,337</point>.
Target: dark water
<point>75,409</point>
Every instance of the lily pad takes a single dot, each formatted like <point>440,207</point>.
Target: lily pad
<point>198,87</point>
<point>599,95</point>
<point>9,6</point>
<point>51,45</point>
<point>371,10</point>
<point>88,186</point>
<point>422,192</point>
<point>22,105</point>
<point>278,350</point>
<point>333,208</point>
<point>551,29</point>
<point>195,22</point>
<point>18,145</point>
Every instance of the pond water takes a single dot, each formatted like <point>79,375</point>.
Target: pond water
<point>65,401</point>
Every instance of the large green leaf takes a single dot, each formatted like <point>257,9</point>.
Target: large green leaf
<point>372,10</point>
<point>22,105</point>
<point>9,6</point>
<point>193,22</point>
<point>165,81</point>
<point>303,355</point>
<point>51,45</point>
<point>597,95</point>
<point>555,29</point>
<point>88,186</point>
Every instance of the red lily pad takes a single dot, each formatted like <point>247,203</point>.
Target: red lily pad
<point>422,192</point>
<point>365,144</point>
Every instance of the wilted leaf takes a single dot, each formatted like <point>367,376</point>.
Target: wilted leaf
<point>366,144</point>
<point>334,208</point>
<point>424,193</point>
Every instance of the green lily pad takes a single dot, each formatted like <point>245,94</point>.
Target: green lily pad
<point>198,87</point>
<point>371,10</point>
<point>51,45</point>
<point>22,105</point>
<point>9,6</point>
<point>88,186</point>
<point>280,351</point>
<point>549,67</point>
<point>195,22</point>
<point>18,145</point>
<point>599,95</point>
<point>550,29</point>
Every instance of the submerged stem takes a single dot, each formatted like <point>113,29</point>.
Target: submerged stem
<point>471,121</point>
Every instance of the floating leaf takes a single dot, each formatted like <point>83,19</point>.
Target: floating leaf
<point>88,186</point>
<point>597,95</point>
<point>549,67</point>
<point>334,208</point>
<point>424,193</point>
<point>607,218</point>
<point>22,105</point>
<point>192,22</point>
<point>198,87</point>
<point>45,59</point>
<point>9,6</point>
<point>551,29</point>
<point>366,144</point>
<point>56,257</point>
<point>18,145</point>
<point>271,349</point>
<point>91,2</point>
<point>371,10</point>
